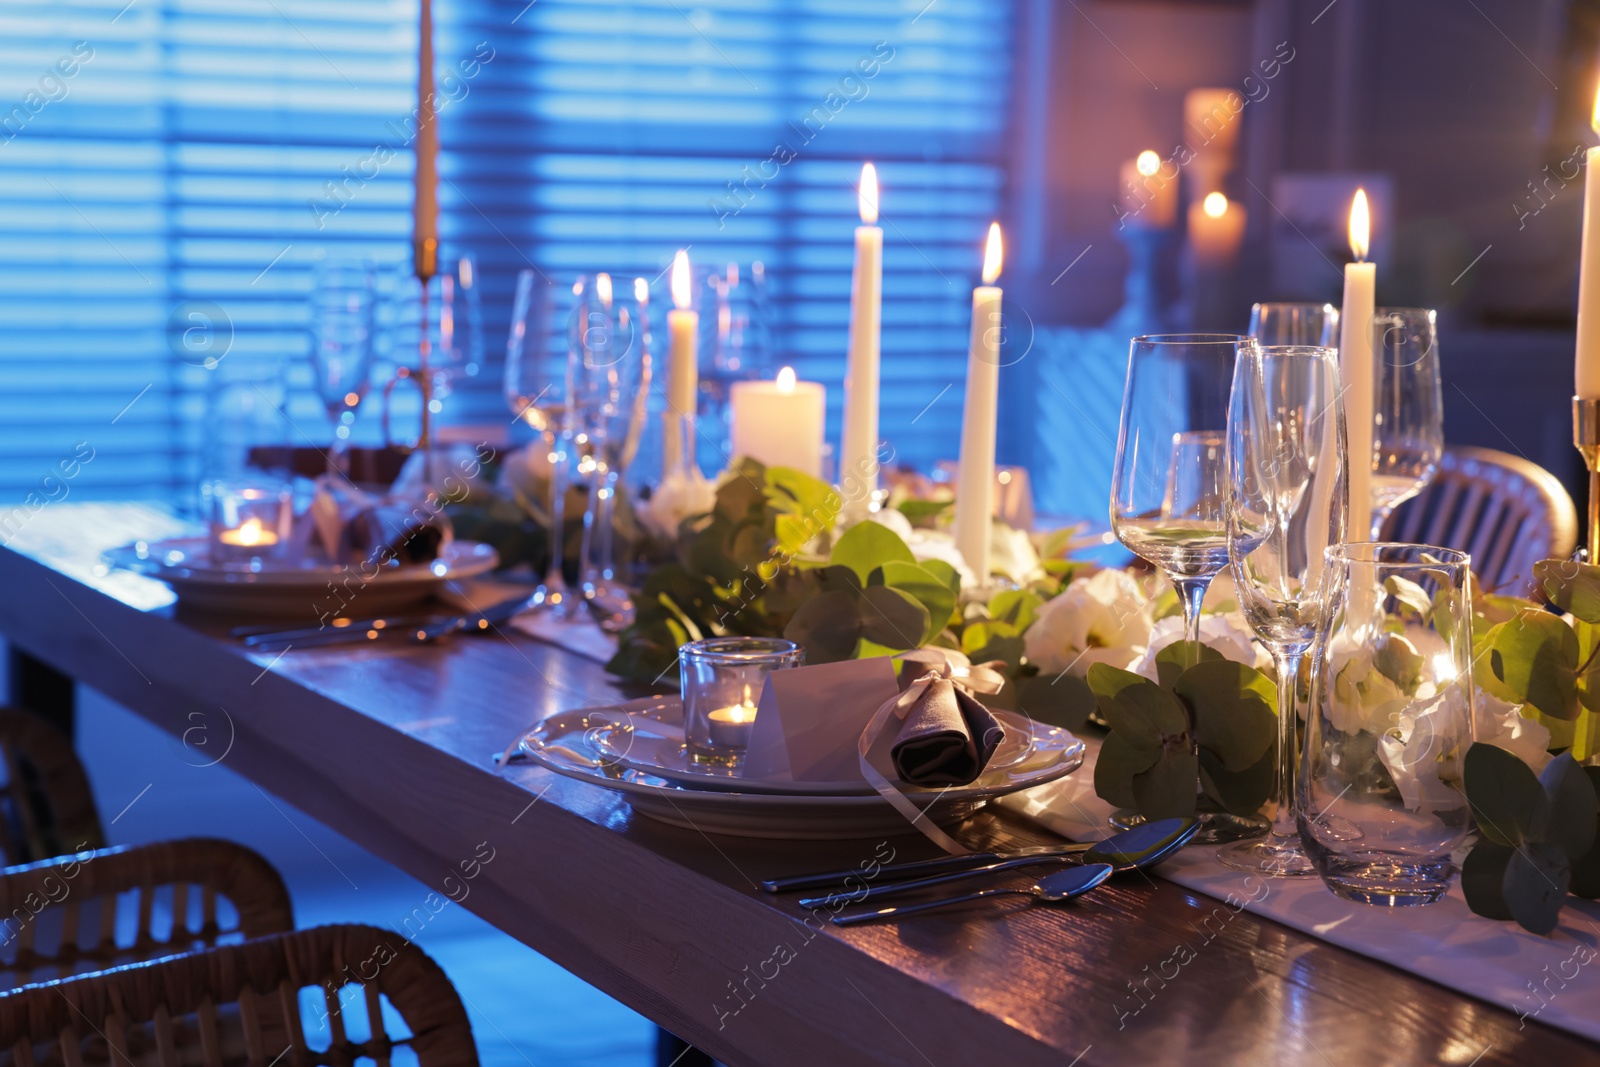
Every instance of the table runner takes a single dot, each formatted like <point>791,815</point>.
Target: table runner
<point>1554,980</point>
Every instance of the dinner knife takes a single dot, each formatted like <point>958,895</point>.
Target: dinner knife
<point>915,869</point>
<point>419,630</point>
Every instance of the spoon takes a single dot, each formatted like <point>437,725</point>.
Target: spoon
<point>1052,889</point>
<point>1133,849</point>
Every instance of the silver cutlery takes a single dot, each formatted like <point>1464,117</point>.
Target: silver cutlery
<point>1051,889</point>
<point>1131,842</point>
<point>1133,849</point>
<point>409,629</point>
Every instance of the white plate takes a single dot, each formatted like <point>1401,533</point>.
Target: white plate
<point>651,741</point>
<point>564,743</point>
<point>184,563</point>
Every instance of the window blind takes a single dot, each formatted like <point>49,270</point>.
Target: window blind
<point>169,169</point>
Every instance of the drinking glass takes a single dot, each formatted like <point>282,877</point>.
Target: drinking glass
<point>735,343</point>
<point>1166,504</point>
<point>1408,408</point>
<point>538,383</point>
<point>1381,799</point>
<point>344,298</point>
<point>1295,324</point>
<point>1286,505</point>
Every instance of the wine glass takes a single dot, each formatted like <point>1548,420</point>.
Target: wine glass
<point>1276,323</point>
<point>344,297</point>
<point>1286,505</point>
<point>538,384</point>
<point>1166,503</point>
<point>1408,408</point>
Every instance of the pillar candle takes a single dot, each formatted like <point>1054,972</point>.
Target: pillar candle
<point>683,371</point>
<point>425,205</point>
<point>1356,369</point>
<point>975,474</point>
<point>1149,197</point>
<point>1588,363</point>
<point>1216,230</point>
<point>780,423</point>
<point>858,449</point>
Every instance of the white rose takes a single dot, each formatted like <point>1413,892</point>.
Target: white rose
<point>1227,633</point>
<point>675,499</point>
<point>1423,752</point>
<point>1101,619</point>
<point>1501,724</point>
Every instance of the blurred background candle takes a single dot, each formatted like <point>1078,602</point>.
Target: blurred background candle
<point>1148,195</point>
<point>975,476</point>
<point>1355,366</point>
<point>683,372</point>
<point>1216,230</point>
<point>858,449</point>
<point>780,423</point>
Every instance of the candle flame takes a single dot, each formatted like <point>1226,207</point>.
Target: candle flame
<point>641,290</point>
<point>602,288</point>
<point>992,255</point>
<point>1147,163</point>
<point>867,194</point>
<point>1360,226</point>
<point>250,532</point>
<point>680,280</point>
<point>1215,205</point>
<point>786,387</point>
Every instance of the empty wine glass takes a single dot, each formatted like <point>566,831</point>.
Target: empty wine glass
<point>1166,503</point>
<point>1286,505</point>
<point>1277,323</point>
<point>1408,408</point>
<point>343,341</point>
<point>538,383</point>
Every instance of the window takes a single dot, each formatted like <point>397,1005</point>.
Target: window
<point>169,169</point>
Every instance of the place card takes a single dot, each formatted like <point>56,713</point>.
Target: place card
<point>809,720</point>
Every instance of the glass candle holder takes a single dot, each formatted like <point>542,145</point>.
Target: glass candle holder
<point>722,678</point>
<point>250,520</point>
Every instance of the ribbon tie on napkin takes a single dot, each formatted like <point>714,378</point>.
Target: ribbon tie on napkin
<point>946,736</point>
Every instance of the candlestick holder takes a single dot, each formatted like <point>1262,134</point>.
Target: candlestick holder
<point>1586,438</point>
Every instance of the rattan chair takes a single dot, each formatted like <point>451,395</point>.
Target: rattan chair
<point>1506,511</point>
<point>242,1004</point>
<point>46,806</point>
<point>94,910</point>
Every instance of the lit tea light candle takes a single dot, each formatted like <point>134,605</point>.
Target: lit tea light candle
<point>250,535</point>
<point>730,727</point>
<point>780,423</point>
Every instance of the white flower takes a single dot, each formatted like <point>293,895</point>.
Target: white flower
<point>1228,633</point>
<point>1423,752</point>
<point>527,471</point>
<point>1101,619</point>
<point>1012,554</point>
<point>894,519</point>
<point>1363,697</point>
<point>1501,724</point>
<point>935,544</point>
<point>675,499</point>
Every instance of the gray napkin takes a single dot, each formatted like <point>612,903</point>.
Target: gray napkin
<point>947,737</point>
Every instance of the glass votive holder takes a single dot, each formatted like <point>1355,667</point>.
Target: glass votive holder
<point>722,679</point>
<point>250,520</point>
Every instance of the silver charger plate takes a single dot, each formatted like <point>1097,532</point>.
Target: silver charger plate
<point>650,740</point>
<point>184,563</point>
<point>565,743</point>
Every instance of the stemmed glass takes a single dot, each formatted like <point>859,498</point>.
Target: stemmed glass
<point>1277,323</point>
<point>1408,408</point>
<point>344,298</point>
<point>1286,505</point>
<point>538,386</point>
<point>1166,499</point>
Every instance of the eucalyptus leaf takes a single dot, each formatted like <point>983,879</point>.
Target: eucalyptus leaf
<point>1409,595</point>
<point>1586,869</point>
<point>1167,789</point>
<point>1571,820</point>
<point>841,579</point>
<point>1115,768</point>
<point>922,510</point>
<point>1482,878</point>
<point>1137,708</point>
<point>1398,660</point>
<point>1507,800</point>
<point>927,588</point>
<point>976,636</point>
<point>1056,699</point>
<point>1179,657</point>
<point>1571,586</point>
<point>1535,885</point>
<point>867,546</point>
<point>945,573</point>
<point>1239,792</point>
<point>1535,655</point>
<point>1235,713</point>
<point>828,625</point>
<point>1007,650</point>
<point>1015,606</point>
<point>892,618</point>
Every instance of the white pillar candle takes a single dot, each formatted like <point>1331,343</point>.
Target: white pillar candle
<point>1216,230</point>
<point>425,203</point>
<point>1149,197</point>
<point>975,475</point>
<point>780,423</point>
<point>858,447</point>
<point>1588,364</point>
<point>1356,377</point>
<point>683,371</point>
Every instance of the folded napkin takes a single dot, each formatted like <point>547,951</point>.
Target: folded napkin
<point>946,736</point>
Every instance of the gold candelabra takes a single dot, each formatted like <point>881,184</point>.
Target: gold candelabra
<point>1586,436</point>
<point>425,257</point>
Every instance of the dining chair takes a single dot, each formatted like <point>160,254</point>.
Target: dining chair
<point>93,910</point>
<point>1508,512</point>
<point>46,806</point>
<point>332,995</point>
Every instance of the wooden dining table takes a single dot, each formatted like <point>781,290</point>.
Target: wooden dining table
<point>390,744</point>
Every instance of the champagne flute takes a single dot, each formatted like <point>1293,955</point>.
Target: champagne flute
<point>1286,505</point>
<point>1277,323</point>
<point>1408,408</point>
<point>1166,506</point>
<point>344,298</point>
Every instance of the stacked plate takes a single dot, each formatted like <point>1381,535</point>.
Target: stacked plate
<point>637,749</point>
